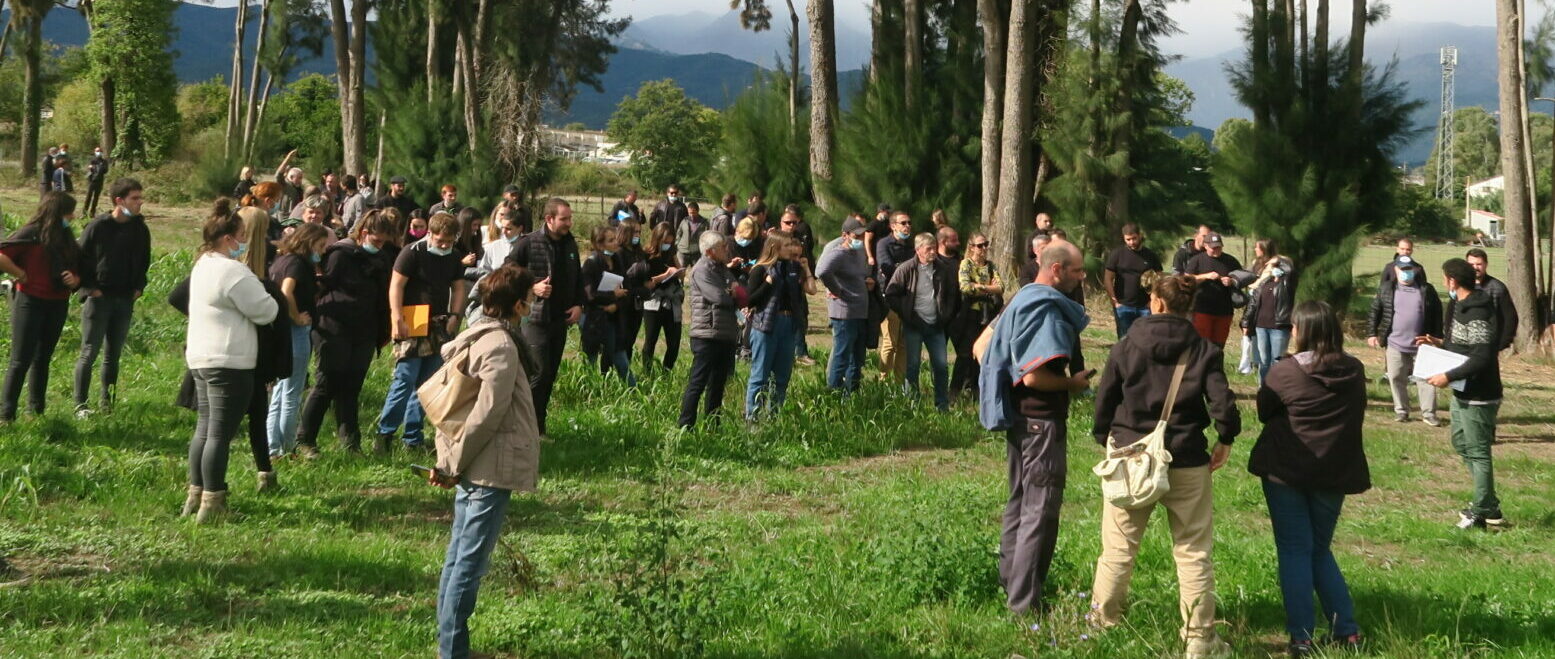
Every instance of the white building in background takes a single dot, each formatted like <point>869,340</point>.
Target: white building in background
<point>583,145</point>
<point>1481,220</point>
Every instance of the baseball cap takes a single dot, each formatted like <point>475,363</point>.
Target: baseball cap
<point>883,208</point>
<point>1213,239</point>
<point>852,226</point>
<point>399,180</point>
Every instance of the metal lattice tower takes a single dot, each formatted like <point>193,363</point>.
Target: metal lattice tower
<point>1446,131</point>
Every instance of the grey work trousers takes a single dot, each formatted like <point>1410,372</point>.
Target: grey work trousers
<point>1038,464</point>
<point>107,317</point>
<point>1400,366</point>
<point>222,396</point>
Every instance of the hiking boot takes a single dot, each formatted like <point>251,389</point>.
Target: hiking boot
<point>1210,647</point>
<point>1468,520</point>
<point>191,501</point>
<point>308,451</point>
<point>351,442</point>
<point>83,412</point>
<point>1302,649</point>
<point>213,507</point>
<point>383,444</point>
<point>805,361</point>
<point>1401,418</point>
<point>1494,519</point>
<point>267,481</point>
<point>1432,421</point>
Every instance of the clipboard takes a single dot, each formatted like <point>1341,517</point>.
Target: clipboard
<point>609,282</point>
<point>417,319</point>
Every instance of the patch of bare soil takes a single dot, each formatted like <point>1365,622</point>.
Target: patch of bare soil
<point>24,569</point>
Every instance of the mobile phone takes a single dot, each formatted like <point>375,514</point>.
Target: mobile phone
<point>422,471</point>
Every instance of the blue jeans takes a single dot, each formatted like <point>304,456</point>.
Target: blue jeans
<point>478,515</point>
<point>286,396</point>
<point>1271,346</point>
<point>847,353</point>
<point>772,362</point>
<point>402,404</point>
<point>1126,315</point>
<point>914,339</point>
<point>616,353</point>
<point>1303,532</point>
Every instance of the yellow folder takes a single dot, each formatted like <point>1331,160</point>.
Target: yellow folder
<point>417,317</point>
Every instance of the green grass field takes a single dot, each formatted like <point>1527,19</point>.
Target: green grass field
<point>858,528</point>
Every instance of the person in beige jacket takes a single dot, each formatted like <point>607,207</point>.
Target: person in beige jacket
<point>496,452</point>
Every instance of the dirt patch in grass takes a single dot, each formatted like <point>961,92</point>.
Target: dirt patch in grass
<point>24,569</point>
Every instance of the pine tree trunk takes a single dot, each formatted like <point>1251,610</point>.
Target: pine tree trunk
<point>793,66</point>
<point>235,83</point>
<point>1520,265</point>
<point>32,92</point>
<point>471,95</point>
<point>110,132</point>
<point>991,16</point>
<point>1123,138</point>
<point>823,98</point>
<point>432,60</point>
<point>876,24</point>
<point>1320,57</point>
<point>249,120</point>
<point>912,19</point>
<point>345,31</point>
<point>1015,175</point>
<point>5,38</point>
<point>258,115</point>
<point>1357,71</point>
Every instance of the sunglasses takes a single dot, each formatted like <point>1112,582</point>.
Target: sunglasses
<point>788,223</point>
<point>981,245</point>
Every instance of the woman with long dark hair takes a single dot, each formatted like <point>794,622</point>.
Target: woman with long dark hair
<point>1271,299</point>
<point>602,313</point>
<point>295,271</point>
<point>226,302</point>
<point>634,266</point>
<point>1310,455</point>
<point>779,281</point>
<point>662,310</point>
<point>470,235</point>
<point>350,322</point>
<point>45,261</point>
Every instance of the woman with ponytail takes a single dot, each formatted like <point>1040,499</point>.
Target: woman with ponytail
<point>226,302</point>
<point>43,258</point>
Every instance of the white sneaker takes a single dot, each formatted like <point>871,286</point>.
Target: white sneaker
<point>83,412</point>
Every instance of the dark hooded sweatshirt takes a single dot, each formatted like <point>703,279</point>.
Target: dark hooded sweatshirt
<point>1474,330</point>
<point>1133,390</point>
<point>1313,411</point>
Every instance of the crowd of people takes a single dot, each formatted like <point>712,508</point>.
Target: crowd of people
<point>297,284</point>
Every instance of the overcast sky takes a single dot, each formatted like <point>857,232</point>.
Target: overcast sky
<point>1209,26</point>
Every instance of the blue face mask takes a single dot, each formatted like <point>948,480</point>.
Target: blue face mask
<point>512,239</point>
<point>315,257</point>
<point>901,235</point>
<point>608,252</point>
<point>239,252</point>
<point>637,240</point>
<point>665,247</point>
<point>855,243</point>
<point>440,251</point>
<point>742,242</point>
<point>370,249</point>
<point>65,222</point>
<point>1407,275</point>
<point>1277,272</point>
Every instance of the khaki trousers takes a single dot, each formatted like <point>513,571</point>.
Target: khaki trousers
<point>1190,513</point>
<point>893,360</point>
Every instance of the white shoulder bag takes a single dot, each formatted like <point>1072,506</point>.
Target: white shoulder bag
<point>1135,476</point>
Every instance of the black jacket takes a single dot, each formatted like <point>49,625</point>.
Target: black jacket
<point>1473,330</point>
<point>115,255</point>
<point>405,205</point>
<point>1505,310</point>
<point>353,302</point>
<point>667,211</point>
<point>1284,302</point>
<point>1180,259</point>
<point>1313,412</point>
<point>558,260</point>
<point>1380,322</point>
<point>633,213</point>
<point>902,292</point>
<point>1132,390</point>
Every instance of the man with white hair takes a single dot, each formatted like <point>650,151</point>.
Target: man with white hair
<point>715,333</point>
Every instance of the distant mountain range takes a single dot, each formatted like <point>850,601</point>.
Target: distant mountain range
<point>713,59</point>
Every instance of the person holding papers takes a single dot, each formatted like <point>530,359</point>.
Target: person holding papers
<point>605,300</point>
<point>426,298</point>
<point>1472,331</point>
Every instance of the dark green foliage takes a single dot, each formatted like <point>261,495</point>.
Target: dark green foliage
<point>129,45</point>
<point>1421,215</point>
<point>760,149</point>
<point>671,137</point>
<point>427,144</point>
<point>1315,172</point>
<point>306,117</point>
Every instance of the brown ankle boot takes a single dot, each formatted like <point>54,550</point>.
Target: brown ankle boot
<point>213,507</point>
<point>267,481</point>
<point>191,501</point>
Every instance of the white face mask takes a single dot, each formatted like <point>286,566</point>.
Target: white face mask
<point>440,251</point>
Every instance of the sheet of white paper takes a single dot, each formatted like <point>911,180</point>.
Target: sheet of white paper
<point>609,282</point>
<point>1432,360</point>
